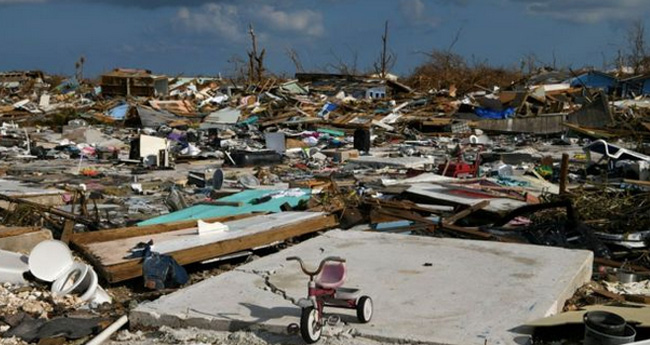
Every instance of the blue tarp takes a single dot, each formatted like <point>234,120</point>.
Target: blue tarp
<point>119,112</point>
<point>327,108</point>
<point>495,114</point>
<point>247,196</point>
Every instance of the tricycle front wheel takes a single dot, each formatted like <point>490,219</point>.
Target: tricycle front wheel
<point>310,325</point>
<point>364,309</point>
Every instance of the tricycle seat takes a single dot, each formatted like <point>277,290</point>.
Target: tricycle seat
<point>332,276</point>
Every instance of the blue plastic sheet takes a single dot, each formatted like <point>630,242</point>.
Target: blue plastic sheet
<point>487,113</point>
<point>119,112</point>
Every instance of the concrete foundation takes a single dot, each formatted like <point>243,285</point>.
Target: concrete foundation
<point>431,290</point>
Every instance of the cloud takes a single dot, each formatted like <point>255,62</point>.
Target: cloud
<point>414,11</point>
<point>587,11</point>
<point>454,2</point>
<point>230,21</point>
<point>305,21</point>
<point>217,19</point>
<point>151,4</point>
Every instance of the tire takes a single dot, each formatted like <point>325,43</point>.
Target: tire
<point>310,327</point>
<point>364,309</point>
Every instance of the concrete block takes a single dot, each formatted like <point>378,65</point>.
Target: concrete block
<point>429,290</point>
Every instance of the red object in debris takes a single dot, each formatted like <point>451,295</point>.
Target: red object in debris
<point>89,172</point>
<point>460,168</point>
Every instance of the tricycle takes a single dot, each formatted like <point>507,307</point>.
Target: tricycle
<point>325,290</point>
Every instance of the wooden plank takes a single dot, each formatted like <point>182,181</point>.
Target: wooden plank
<point>402,205</point>
<point>15,231</point>
<point>609,294</point>
<point>637,182</point>
<point>617,264</point>
<point>466,212</point>
<point>637,298</point>
<point>133,268</point>
<point>68,231</point>
<point>132,231</point>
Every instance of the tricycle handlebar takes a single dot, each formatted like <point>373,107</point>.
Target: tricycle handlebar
<point>320,266</point>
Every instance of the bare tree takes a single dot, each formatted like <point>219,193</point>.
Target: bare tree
<point>238,64</point>
<point>637,46</point>
<point>342,66</point>
<point>295,58</point>
<point>455,40</point>
<point>79,68</point>
<point>386,59</point>
<point>529,62</point>
<point>255,60</point>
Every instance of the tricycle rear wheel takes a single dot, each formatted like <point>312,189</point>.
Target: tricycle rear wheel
<point>364,309</point>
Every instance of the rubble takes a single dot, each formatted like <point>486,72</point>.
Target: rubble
<point>553,159</point>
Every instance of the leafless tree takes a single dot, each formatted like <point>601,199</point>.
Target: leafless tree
<point>342,66</point>
<point>637,46</point>
<point>529,62</point>
<point>255,60</point>
<point>295,58</point>
<point>79,68</point>
<point>238,64</point>
<point>455,40</point>
<point>386,58</point>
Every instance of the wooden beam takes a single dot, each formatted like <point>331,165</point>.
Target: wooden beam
<point>15,231</point>
<point>133,268</point>
<point>466,212</point>
<point>617,264</point>
<point>475,233</point>
<point>402,205</point>
<point>637,182</point>
<point>68,230</point>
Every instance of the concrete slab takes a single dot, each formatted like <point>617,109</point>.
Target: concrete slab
<point>431,290</point>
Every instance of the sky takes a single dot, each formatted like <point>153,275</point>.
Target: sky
<point>204,37</point>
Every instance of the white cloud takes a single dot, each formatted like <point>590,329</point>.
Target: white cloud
<point>588,11</point>
<point>218,19</point>
<point>231,21</point>
<point>300,21</point>
<point>414,11</point>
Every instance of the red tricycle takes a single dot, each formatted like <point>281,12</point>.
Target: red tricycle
<point>325,290</point>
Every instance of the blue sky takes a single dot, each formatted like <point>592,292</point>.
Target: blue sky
<point>201,36</point>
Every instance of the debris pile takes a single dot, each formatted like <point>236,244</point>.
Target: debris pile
<point>153,179</point>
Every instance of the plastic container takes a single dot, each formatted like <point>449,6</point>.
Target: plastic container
<point>593,337</point>
<point>605,322</point>
<point>605,328</point>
